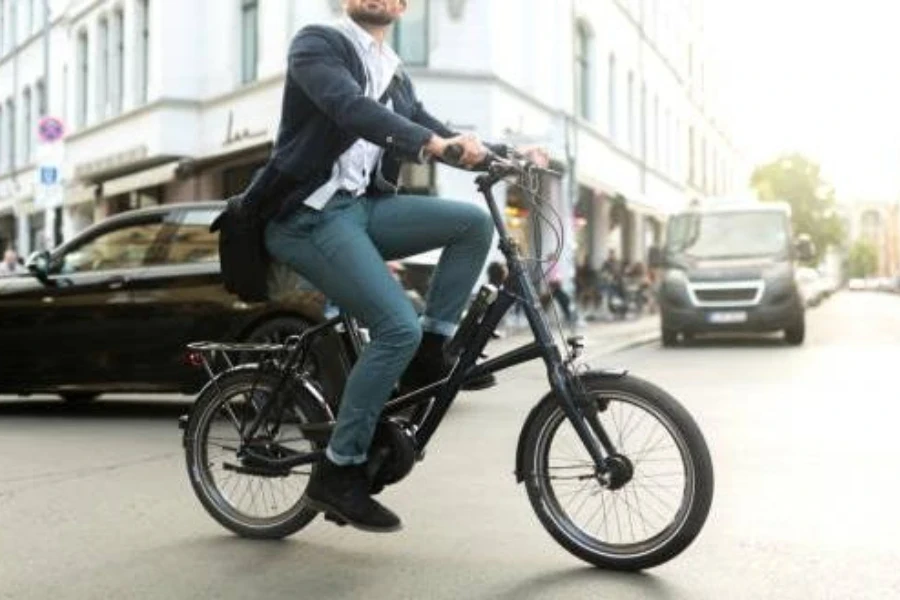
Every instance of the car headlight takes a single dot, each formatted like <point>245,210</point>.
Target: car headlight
<point>675,278</point>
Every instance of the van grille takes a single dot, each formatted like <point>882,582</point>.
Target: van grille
<point>727,295</point>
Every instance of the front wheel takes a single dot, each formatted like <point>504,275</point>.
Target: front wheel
<point>796,333</point>
<point>660,495</point>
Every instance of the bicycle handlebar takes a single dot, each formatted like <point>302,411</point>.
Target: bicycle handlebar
<point>515,164</point>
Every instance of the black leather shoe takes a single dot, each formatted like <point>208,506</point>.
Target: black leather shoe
<point>430,364</point>
<point>342,493</point>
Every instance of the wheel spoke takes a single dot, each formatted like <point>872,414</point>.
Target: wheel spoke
<point>639,511</point>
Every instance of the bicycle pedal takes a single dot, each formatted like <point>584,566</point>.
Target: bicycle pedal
<point>335,519</point>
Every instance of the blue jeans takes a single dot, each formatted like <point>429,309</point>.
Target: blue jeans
<point>342,251</point>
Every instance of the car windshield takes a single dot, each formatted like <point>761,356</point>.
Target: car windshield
<point>728,234</point>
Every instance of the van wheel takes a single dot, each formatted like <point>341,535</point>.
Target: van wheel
<point>669,337</point>
<point>795,334</point>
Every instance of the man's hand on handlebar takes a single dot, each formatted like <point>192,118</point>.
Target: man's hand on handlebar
<point>473,151</point>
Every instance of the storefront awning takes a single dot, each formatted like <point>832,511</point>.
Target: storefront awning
<point>141,179</point>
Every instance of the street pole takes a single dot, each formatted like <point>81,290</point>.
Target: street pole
<point>51,226</point>
<point>46,8</point>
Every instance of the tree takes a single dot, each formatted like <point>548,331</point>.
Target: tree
<point>798,181</point>
<point>863,260</point>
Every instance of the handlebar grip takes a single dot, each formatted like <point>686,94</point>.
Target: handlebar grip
<point>453,154</point>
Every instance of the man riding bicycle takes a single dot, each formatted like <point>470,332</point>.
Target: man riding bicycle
<point>349,116</point>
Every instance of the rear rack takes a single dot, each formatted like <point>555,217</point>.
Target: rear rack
<point>211,354</point>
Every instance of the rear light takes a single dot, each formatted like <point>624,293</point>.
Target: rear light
<point>194,359</point>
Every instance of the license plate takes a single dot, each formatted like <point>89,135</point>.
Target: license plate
<point>731,316</point>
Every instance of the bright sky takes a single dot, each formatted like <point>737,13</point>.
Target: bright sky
<point>819,76</point>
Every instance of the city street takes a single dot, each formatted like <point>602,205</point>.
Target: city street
<point>95,503</point>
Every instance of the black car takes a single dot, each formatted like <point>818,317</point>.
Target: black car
<point>112,309</point>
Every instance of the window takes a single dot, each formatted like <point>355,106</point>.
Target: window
<point>3,152</point>
<point>584,71</point>
<point>3,38</point>
<point>13,22</point>
<point>644,134</point>
<point>613,133</point>
<point>41,93</point>
<point>81,84</point>
<point>410,35</point>
<point>714,168</point>
<point>631,133</point>
<point>249,40</point>
<point>117,63</point>
<point>103,67</point>
<point>703,164</point>
<point>11,133</point>
<point>123,248</point>
<point>28,134</point>
<point>692,156</point>
<point>142,50</point>
<point>667,134</point>
<point>193,242</point>
<point>656,131</point>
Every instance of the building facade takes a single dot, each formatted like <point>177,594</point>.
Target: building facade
<point>174,100</point>
<point>878,224</point>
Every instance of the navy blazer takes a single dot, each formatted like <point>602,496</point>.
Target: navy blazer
<point>325,110</point>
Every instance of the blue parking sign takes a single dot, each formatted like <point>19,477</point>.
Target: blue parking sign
<point>49,175</point>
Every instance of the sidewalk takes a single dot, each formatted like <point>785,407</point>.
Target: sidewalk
<point>600,337</point>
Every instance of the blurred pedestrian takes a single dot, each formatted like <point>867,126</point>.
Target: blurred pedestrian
<point>554,282</point>
<point>11,264</point>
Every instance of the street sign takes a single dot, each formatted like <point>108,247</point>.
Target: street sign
<point>48,175</point>
<point>50,129</point>
<point>48,191</point>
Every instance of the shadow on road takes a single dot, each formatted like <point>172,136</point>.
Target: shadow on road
<point>557,583</point>
<point>109,407</point>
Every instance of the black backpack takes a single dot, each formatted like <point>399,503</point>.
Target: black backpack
<point>242,252</point>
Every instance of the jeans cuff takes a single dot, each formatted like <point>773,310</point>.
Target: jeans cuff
<point>443,328</point>
<point>344,461</point>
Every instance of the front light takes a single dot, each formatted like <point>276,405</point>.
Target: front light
<point>675,278</point>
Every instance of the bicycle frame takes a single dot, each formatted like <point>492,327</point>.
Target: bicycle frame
<point>431,403</point>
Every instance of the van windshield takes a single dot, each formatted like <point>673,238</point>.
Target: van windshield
<point>727,235</point>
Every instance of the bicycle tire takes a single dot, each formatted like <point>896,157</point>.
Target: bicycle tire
<point>544,425</point>
<point>237,381</point>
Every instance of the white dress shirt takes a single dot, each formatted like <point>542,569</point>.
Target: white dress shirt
<point>353,169</point>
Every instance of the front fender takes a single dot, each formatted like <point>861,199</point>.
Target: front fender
<point>550,398</point>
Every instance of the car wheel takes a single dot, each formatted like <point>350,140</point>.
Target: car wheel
<point>79,398</point>
<point>328,373</point>
<point>795,334</point>
<point>669,337</point>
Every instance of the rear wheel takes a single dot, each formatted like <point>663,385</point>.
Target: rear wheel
<point>657,495</point>
<point>253,504</point>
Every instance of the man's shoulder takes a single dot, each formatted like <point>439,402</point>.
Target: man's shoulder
<point>322,38</point>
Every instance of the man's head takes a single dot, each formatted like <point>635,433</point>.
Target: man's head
<point>375,13</point>
<point>10,257</point>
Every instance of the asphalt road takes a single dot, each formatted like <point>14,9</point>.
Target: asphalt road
<point>95,503</point>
